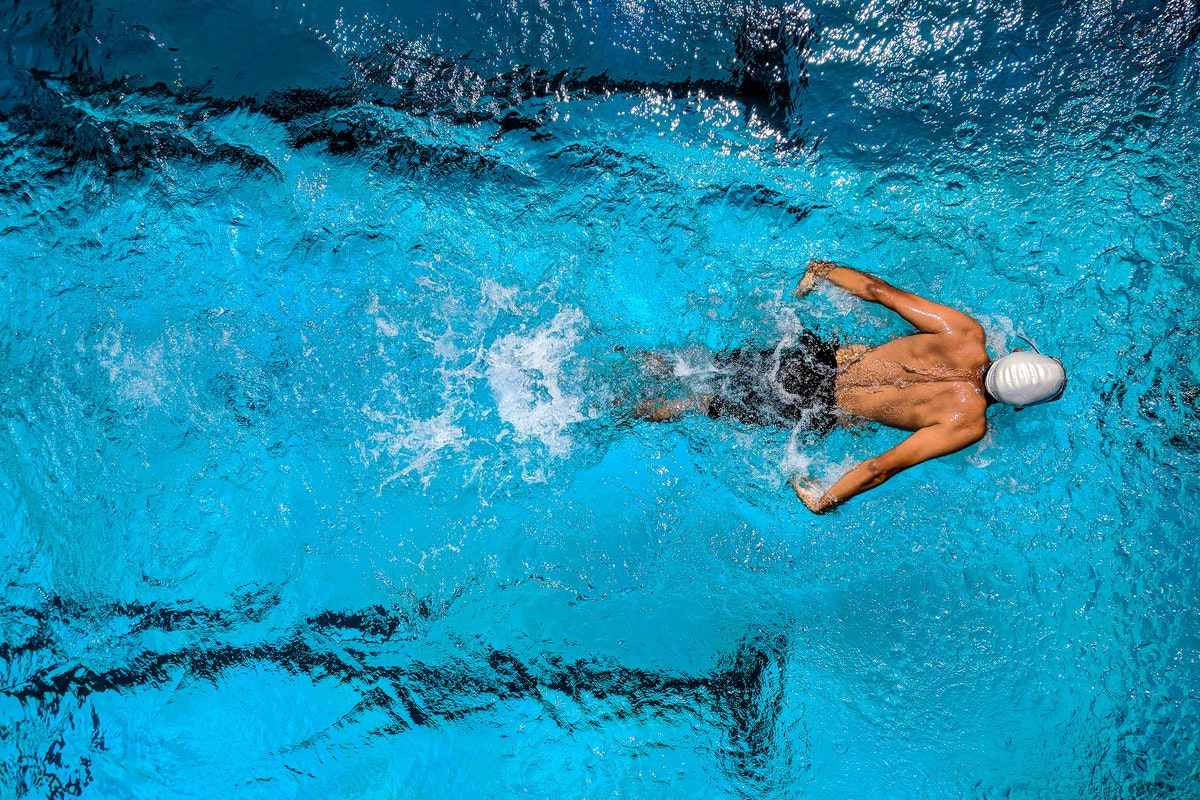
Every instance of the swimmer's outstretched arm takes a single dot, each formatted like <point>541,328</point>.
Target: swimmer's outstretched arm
<point>924,315</point>
<point>925,444</point>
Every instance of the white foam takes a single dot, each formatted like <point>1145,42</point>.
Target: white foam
<point>795,461</point>
<point>525,373</point>
<point>138,375</point>
<point>979,456</point>
<point>692,363</point>
<point>999,331</point>
<point>843,302</point>
<point>819,471</point>
<point>788,323</point>
<point>421,440</point>
<point>384,322</point>
<point>498,297</point>
<point>414,444</point>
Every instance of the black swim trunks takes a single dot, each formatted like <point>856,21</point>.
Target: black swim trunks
<point>779,387</point>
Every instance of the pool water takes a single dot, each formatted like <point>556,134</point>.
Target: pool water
<point>322,328</point>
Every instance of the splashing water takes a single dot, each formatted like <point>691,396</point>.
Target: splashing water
<point>318,475</point>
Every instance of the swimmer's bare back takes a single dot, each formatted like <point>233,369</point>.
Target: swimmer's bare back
<point>930,382</point>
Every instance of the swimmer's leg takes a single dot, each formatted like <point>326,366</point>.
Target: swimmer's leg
<point>663,410</point>
<point>654,364</point>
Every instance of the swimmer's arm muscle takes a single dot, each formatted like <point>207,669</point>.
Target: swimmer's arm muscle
<point>924,315</point>
<point>925,444</point>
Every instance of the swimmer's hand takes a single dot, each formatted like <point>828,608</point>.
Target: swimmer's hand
<point>816,268</point>
<point>809,493</point>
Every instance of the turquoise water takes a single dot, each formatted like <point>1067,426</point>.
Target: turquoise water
<point>317,473</point>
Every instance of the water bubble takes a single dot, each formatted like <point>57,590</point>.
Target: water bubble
<point>966,134</point>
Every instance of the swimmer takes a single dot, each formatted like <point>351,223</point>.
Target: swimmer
<point>937,383</point>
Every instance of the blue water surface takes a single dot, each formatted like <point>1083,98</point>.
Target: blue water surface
<point>322,328</point>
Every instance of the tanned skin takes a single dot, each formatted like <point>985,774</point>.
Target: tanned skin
<point>929,382</point>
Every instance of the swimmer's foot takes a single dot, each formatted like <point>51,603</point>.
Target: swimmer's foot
<point>654,364</point>
<point>659,410</point>
<point>662,410</point>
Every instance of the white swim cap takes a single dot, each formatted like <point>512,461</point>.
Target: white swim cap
<point>1025,379</point>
